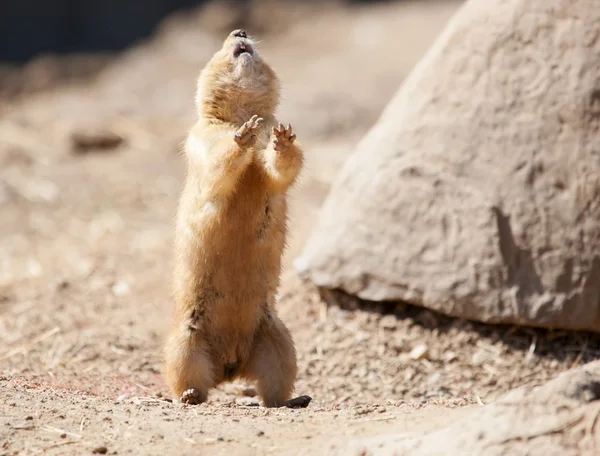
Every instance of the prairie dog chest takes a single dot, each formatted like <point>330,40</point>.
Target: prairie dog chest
<point>252,201</point>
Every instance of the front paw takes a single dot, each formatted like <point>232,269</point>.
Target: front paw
<point>246,134</point>
<point>283,138</point>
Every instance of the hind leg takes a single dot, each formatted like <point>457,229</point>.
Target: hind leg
<point>188,368</point>
<point>272,362</point>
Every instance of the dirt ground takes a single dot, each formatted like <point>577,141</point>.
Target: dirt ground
<point>85,239</point>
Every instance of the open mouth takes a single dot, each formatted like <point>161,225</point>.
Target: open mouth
<point>242,48</point>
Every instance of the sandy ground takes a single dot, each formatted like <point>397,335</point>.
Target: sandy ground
<point>85,241</point>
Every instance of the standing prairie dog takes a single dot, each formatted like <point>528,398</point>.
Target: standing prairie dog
<point>230,234</point>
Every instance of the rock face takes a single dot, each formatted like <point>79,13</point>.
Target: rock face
<point>477,192</point>
<point>558,418</point>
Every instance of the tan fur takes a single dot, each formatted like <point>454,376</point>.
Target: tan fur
<point>230,234</point>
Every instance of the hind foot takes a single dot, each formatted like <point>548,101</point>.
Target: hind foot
<point>192,396</point>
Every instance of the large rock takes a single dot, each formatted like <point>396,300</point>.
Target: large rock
<point>477,192</point>
<point>558,418</point>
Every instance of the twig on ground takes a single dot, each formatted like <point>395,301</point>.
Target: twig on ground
<point>531,350</point>
<point>61,431</point>
<point>580,355</point>
<point>59,444</point>
<point>379,418</point>
<point>27,427</point>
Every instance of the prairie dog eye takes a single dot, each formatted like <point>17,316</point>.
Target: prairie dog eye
<point>240,33</point>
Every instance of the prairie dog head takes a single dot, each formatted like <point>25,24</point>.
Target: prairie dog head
<point>237,83</point>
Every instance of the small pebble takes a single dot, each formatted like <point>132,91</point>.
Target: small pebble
<point>120,288</point>
<point>100,450</point>
<point>419,352</point>
<point>260,433</point>
<point>434,378</point>
<point>479,357</point>
<point>388,322</point>
<point>87,139</point>
<point>450,356</point>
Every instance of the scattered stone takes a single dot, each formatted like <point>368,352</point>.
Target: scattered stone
<point>121,288</point>
<point>480,357</point>
<point>388,322</point>
<point>34,268</point>
<point>450,356</point>
<point>100,450</point>
<point>86,140</point>
<point>419,352</point>
<point>61,284</point>
<point>434,378</point>
<point>299,402</point>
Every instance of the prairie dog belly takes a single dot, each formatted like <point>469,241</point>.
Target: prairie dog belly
<point>241,260</point>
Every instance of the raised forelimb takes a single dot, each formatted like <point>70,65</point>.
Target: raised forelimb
<point>283,158</point>
<point>222,163</point>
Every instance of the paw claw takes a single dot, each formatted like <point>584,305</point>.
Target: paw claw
<point>191,396</point>
<point>246,134</point>
<point>283,137</point>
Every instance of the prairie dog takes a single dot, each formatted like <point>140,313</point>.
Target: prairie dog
<point>230,234</point>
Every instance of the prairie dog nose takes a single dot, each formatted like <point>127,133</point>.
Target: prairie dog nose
<point>240,33</point>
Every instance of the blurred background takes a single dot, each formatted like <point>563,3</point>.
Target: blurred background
<point>32,27</point>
